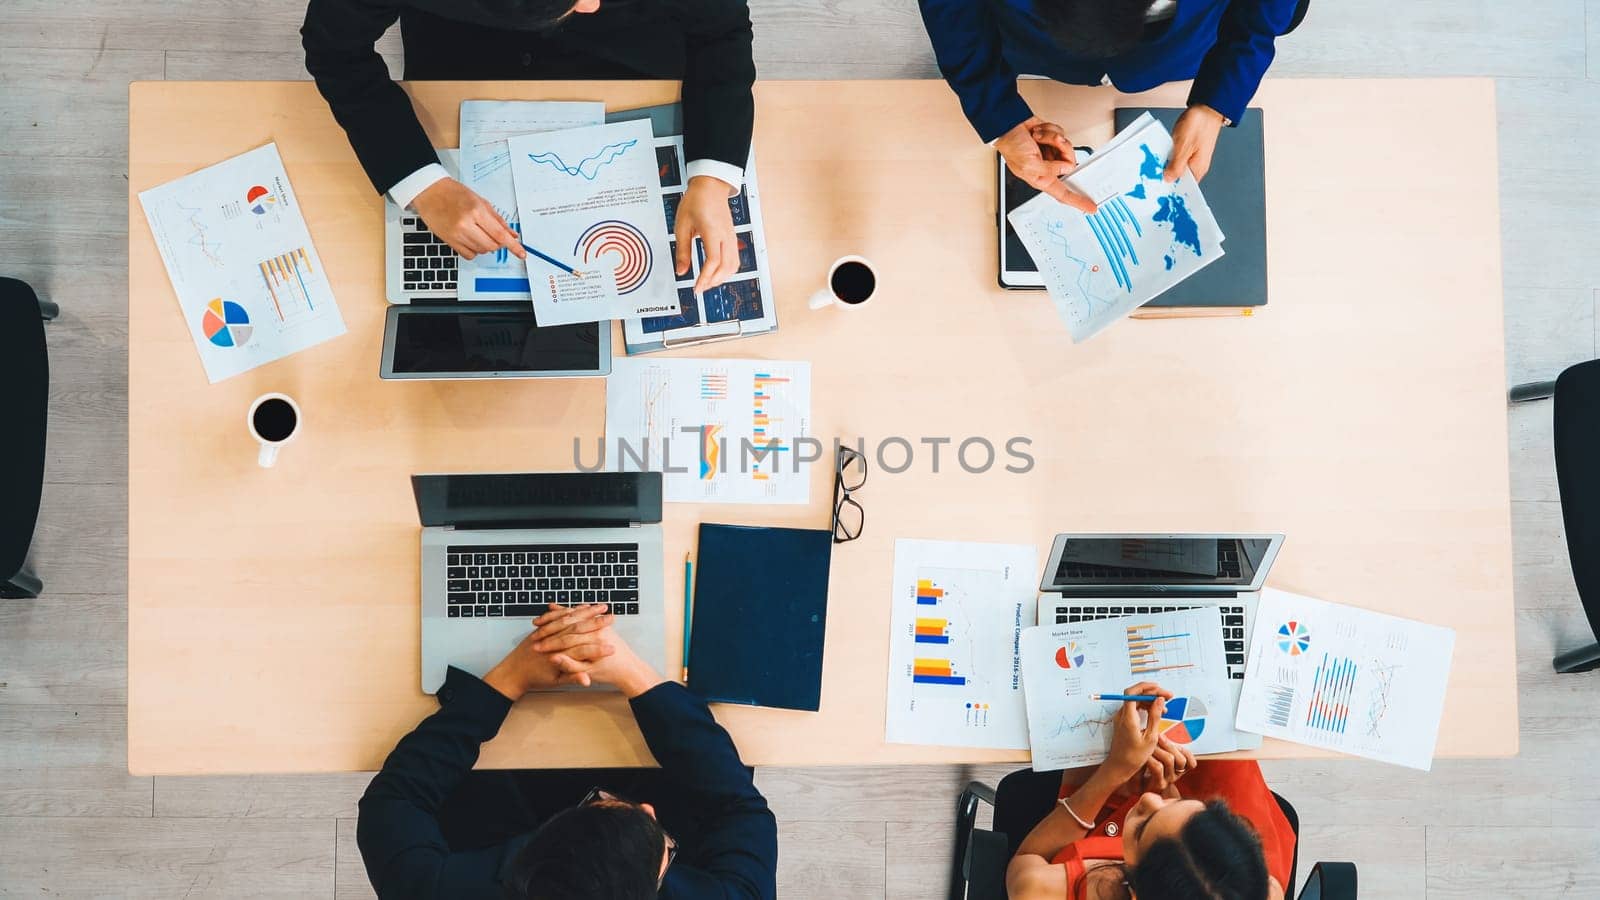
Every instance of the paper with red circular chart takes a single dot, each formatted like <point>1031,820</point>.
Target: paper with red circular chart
<point>589,200</point>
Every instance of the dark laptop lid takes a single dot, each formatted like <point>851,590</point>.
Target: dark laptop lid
<point>1169,565</point>
<point>539,500</point>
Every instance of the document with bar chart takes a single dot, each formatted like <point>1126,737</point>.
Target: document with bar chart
<point>954,671</point>
<point>720,430</point>
<point>1347,679</point>
<point>249,282</point>
<point>1062,665</point>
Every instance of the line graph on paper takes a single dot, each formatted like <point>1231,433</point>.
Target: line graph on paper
<point>1378,699</point>
<point>657,413</point>
<point>590,166</point>
<point>1088,272</point>
<point>1068,725</point>
<point>209,247</point>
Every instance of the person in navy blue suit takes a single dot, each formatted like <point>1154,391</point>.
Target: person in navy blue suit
<point>422,823</point>
<point>983,45</point>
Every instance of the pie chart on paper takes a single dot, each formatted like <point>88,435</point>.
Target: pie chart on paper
<point>1071,656</point>
<point>1183,720</point>
<point>1294,638</point>
<point>226,324</point>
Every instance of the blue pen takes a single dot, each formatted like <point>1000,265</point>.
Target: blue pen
<point>553,261</point>
<point>1126,698</point>
<point>688,612</point>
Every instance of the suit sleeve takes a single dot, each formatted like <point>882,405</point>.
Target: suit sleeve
<point>966,44</point>
<point>719,108</point>
<point>397,828</point>
<point>737,852</point>
<point>339,38</point>
<point>1232,71</point>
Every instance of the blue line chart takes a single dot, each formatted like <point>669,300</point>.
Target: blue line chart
<point>588,167</point>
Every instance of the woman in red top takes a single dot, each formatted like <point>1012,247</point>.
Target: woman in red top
<point>1150,823</point>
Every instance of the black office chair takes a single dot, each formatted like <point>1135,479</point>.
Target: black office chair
<point>24,390</point>
<point>1577,440</point>
<point>978,871</point>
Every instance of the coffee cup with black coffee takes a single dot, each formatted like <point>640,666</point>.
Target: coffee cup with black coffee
<point>274,420</point>
<point>851,282</point>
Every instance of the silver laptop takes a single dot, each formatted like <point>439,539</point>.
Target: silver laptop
<point>431,334</point>
<point>497,549</point>
<point>1105,576</point>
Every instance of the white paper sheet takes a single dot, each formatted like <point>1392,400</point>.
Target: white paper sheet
<point>591,198</point>
<point>1147,236</point>
<point>721,430</point>
<point>1348,679</point>
<point>954,670</point>
<point>486,125</point>
<point>250,285</point>
<point>1181,651</point>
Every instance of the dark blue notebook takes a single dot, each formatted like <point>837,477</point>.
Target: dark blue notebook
<point>760,610</point>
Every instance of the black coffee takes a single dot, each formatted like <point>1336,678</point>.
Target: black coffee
<point>853,282</point>
<point>275,420</point>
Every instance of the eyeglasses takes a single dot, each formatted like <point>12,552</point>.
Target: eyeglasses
<point>602,797</point>
<point>849,474</point>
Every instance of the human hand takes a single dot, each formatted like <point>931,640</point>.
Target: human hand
<point>703,212</point>
<point>1039,153</point>
<point>1194,139</point>
<point>1167,763</point>
<point>1133,744</point>
<point>616,665</point>
<point>528,667</point>
<point>464,220</point>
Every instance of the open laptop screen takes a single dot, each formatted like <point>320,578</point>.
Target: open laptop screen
<point>1179,560</point>
<point>465,341</point>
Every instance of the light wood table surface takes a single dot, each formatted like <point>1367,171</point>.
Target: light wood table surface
<point>273,614</point>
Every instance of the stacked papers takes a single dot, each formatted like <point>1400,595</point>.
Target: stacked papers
<point>1147,235</point>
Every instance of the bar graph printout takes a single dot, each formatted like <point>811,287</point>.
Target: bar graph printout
<point>1181,651</point>
<point>1347,679</point>
<point>250,285</point>
<point>958,610</point>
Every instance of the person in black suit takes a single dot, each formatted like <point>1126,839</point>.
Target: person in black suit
<point>706,43</point>
<point>425,832</point>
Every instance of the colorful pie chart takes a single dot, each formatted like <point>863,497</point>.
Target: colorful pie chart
<point>226,324</point>
<point>1293,638</point>
<point>259,199</point>
<point>1071,656</point>
<point>1183,720</point>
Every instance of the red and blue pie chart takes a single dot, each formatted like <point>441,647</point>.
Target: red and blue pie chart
<point>1183,720</point>
<point>259,198</point>
<point>1294,638</point>
<point>1070,656</point>
<point>226,324</point>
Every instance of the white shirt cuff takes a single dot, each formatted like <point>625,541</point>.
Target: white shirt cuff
<point>733,176</point>
<point>410,186</point>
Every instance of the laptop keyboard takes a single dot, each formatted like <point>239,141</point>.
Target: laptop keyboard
<point>428,263</point>
<point>523,580</point>
<point>1233,624</point>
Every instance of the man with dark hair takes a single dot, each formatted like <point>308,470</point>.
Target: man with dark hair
<point>1135,45</point>
<point>429,827</point>
<point>706,43</point>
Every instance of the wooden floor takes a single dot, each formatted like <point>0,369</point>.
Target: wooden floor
<point>74,823</point>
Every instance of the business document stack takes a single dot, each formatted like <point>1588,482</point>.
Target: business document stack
<point>1147,235</point>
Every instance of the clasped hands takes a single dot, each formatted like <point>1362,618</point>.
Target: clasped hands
<point>572,646</point>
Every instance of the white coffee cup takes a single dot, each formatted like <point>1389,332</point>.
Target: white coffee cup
<point>852,281</point>
<point>273,420</point>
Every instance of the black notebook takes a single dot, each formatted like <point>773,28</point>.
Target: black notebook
<point>1235,189</point>
<point>760,607</point>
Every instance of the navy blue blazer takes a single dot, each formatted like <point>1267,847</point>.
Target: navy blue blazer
<point>735,854</point>
<point>982,45</point>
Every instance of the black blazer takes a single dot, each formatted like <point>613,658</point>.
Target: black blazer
<point>734,853</point>
<point>706,43</point>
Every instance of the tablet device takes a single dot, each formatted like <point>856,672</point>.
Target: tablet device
<point>1017,269</point>
<point>427,342</point>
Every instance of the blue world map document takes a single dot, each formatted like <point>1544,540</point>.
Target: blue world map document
<point>1147,235</point>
